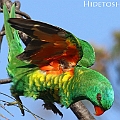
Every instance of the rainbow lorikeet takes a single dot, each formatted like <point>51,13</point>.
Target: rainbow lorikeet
<point>54,66</point>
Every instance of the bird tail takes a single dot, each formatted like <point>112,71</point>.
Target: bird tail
<point>12,36</point>
<point>15,47</point>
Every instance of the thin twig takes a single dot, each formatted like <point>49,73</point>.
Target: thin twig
<point>5,109</point>
<point>25,108</point>
<point>3,117</point>
<point>2,33</point>
<point>19,14</point>
<point>7,96</point>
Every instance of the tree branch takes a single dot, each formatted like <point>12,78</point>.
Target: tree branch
<point>5,81</point>
<point>81,111</point>
<point>19,14</point>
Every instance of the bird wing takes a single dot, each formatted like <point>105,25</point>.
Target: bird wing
<point>51,47</point>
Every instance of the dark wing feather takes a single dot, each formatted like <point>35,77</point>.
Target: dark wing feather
<point>34,28</point>
<point>49,43</point>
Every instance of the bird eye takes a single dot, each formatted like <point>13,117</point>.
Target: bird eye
<point>98,96</point>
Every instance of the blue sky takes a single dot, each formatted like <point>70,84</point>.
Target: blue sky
<point>93,24</point>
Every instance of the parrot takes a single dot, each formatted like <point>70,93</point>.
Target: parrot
<point>54,66</point>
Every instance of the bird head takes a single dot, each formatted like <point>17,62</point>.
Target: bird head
<point>93,86</point>
<point>101,96</point>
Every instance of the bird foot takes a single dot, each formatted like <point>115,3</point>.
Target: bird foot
<point>18,102</point>
<point>14,103</point>
<point>50,106</point>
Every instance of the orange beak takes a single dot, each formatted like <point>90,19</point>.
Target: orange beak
<point>98,110</point>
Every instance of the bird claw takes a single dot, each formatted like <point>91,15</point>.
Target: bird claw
<point>50,106</point>
<point>18,102</point>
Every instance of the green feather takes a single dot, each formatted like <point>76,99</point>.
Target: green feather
<point>88,57</point>
<point>85,50</point>
<point>65,89</point>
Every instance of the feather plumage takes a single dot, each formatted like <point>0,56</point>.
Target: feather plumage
<point>53,50</point>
